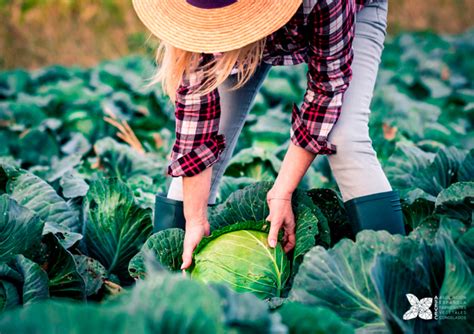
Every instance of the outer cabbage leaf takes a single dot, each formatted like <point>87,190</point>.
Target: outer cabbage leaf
<point>92,272</point>
<point>302,319</point>
<point>245,313</point>
<point>171,303</point>
<point>435,270</point>
<point>115,227</point>
<point>418,213</point>
<point>72,184</point>
<point>60,316</point>
<point>67,238</point>
<point>144,173</point>
<point>230,184</point>
<point>38,196</point>
<point>338,278</point>
<point>457,201</point>
<point>22,281</point>
<point>165,246</point>
<point>466,170</point>
<point>123,162</point>
<point>332,208</point>
<point>59,167</point>
<point>248,204</point>
<point>255,163</point>
<point>64,277</point>
<point>410,167</point>
<point>20,229</point>
<point>366,282</point>
<point>38,146</point>
<point>162,303</point>
<point>268,131</point>
<point>464,244</point>
<point>399,109</point>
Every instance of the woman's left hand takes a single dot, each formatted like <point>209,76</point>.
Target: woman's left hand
<point>281,216</point>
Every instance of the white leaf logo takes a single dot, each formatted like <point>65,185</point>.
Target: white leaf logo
<point>419,308</point>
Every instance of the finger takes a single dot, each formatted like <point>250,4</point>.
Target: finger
<point>268,221</point>
<point>207,230</point>
<point>273,234</point>
<point>187,255</point>
<point>187,260</point>
<point>290,244</point>
<point>289,227</point>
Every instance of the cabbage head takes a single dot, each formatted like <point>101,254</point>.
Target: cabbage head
<point>244,261</point>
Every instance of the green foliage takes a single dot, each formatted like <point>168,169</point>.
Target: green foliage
<point>37,195</point>
<point>155,305</point>
<point>365,282</point>
<point>22,281</point>
<point>165,246</point>
<point>20,229</point>
<point>115,227</point>
<point>302,319</point>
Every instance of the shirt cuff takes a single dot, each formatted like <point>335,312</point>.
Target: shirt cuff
<point>300,136</point>
<point>198,159</point>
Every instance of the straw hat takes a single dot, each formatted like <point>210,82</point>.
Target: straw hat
<point>212,26</point>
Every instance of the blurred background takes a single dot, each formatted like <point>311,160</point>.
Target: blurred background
<point>36,33</point>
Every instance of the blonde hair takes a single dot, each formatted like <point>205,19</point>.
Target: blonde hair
<point>173,63</point>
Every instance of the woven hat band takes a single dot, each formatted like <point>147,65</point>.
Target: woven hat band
<point>210,4</point>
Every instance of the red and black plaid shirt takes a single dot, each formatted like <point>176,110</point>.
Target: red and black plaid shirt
<point>320,34</point>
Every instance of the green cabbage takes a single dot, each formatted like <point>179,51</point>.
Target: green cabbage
<point>244,260</point>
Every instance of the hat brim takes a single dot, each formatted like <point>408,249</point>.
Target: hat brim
<point>214,30</point>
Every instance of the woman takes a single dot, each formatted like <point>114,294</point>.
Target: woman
<point>215,55</point>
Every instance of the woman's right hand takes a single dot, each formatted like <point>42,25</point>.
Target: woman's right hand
<point>195,194</point>
<point>196,229</point>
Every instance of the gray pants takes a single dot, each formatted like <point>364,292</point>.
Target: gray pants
<point>355,166</point>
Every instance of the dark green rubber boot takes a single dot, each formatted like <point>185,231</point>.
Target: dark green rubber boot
<point>380,211</point>
<point>169,213</point>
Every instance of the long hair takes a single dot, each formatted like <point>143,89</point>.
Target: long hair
<point>173,63</point>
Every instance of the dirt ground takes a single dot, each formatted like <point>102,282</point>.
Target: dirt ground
<point>83,32</point>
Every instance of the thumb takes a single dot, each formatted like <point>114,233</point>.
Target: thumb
<point>273,234</point>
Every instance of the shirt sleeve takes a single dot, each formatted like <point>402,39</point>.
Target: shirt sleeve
<point>198,144</point>
<point>331,27</point>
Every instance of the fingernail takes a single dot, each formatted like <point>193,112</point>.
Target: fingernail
<point>272,243</point>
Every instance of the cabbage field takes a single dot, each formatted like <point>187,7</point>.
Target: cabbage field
<point>84,151</point>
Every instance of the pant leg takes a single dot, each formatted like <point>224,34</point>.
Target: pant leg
<point>355,166</point>
<point>235,106</point>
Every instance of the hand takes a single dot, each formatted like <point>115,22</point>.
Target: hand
<point>281,216</point>
<point>195,230</point>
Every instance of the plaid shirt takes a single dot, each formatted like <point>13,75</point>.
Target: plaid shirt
<point>320,34</point>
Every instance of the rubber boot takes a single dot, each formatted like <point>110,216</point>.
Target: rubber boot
<point>169,213</point>
<point>380,211</point>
